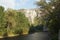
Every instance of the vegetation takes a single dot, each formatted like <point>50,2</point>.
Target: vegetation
<point>2,21</point>
<point>13,22</point>
<point>53,9</point>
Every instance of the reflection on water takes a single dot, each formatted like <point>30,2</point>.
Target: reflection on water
<point>35,36</point>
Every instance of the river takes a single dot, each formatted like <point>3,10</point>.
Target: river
<point>34,36</point>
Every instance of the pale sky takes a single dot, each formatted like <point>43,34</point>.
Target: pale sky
<point>18,4</point>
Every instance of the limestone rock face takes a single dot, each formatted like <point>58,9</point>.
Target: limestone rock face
<point>31,14</point>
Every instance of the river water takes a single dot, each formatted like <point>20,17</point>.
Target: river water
<point>34,36</point>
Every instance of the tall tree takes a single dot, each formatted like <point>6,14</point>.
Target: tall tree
<point>22,22</point>
<point>53,9</point>
<point>2,21</point>
<point>16,22</point>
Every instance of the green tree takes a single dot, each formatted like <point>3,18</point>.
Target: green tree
<point>53,8</point>
<point>22,22</point>
<point>16,22</point>
<point>10,21</point>
<point>2,21</point>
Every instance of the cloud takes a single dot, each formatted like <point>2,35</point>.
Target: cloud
<point>37,0</point>
<point>14,4</point>
<point>7,3</point>
<point>21,2</point>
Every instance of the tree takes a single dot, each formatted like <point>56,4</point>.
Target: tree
<point>22,22</point>
<point>10,21</point>
<point>2,21</point>
<point>55,23</point>
<point>16,22</point>
<point>53,16</point>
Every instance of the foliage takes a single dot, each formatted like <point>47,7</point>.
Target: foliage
<point>12,22</point>
<point>2,21</point>
<point>16,21</point>
<point>39,20</point>
<point>21,22</point>
<point>53,23</point>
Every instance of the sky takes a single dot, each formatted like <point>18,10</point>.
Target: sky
<point>18,4</point>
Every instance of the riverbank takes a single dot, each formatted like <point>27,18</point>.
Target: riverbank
<point>13,35</point>
<point>9,36</point>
